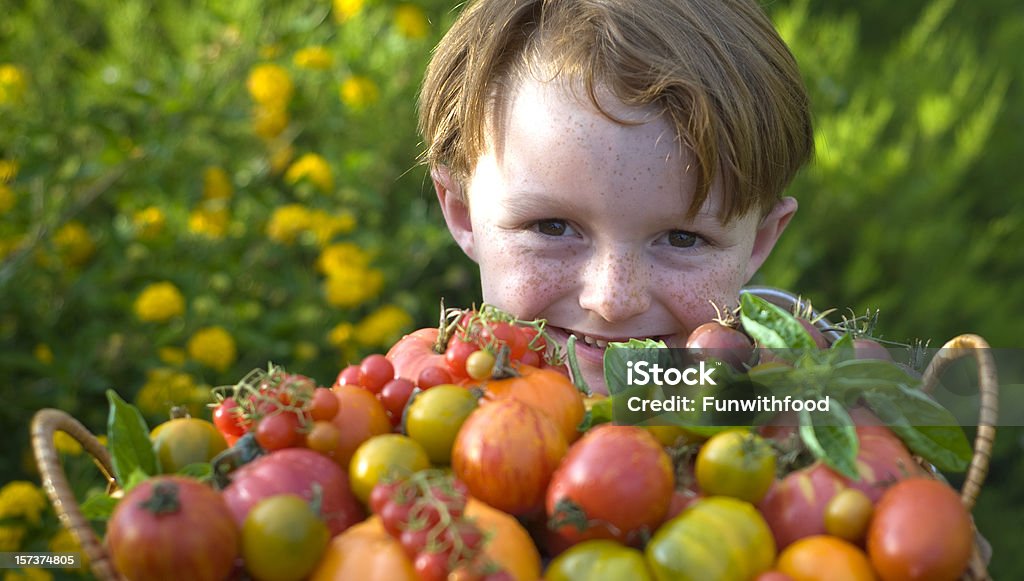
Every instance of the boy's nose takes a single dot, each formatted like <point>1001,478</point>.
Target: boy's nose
<point>615,286</point>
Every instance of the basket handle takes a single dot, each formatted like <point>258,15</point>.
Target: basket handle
<point>988,385</point>
<point>45,424</point>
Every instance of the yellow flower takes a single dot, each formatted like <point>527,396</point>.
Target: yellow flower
<point>269,121</point>
<point>74,243</point>
<point>340,256</point>
<point>7,199</point>
<point>341,334</point>
<point>270,84</point>
<point>383,326</point>
<point>149,222</point>
<point>159,302</point>
<point>411,21</point>
<point>164,389</point>
<point>345,9</point>
<point>43,353</point>
<point>65,444</point>
<point>325,226</point>
<point>358,92</point>
<point>210,220</point>
<point>351,286</point>
<point>10,538</point>
<point>12,84</point>
<point>287,222</point>
<point>21,498</point>
<point>313,58</point>
<point>213,347</point>
<point>216,184</point>
<point>8,170</point>
<point>314,168</point>
<point>171,355</point>
<point>28,574</point>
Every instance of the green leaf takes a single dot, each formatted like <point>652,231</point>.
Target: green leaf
<point>599,413</point>
<point>832,439</point>
<point>198,470</point>
<point>772,327</point>
<point>98,507</point>
<point>874,369</point>
<point>131,450</point>
<point>927,428</point>
<point>618,354</point>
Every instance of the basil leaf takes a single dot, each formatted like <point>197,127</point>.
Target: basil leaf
<point>833,439</point>
<point>599,413</point>
<point>98,507</point>
<point>618,354</point>
<point>928,429</point>
<point>131,451</point>
<point>842,349</point>
<point>772,327</point>
<point>875,369</point>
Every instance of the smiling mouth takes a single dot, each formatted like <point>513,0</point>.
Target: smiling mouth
<point>598,342</point>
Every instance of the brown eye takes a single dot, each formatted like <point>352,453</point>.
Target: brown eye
<point>552,227</point>
<point>682,239</point>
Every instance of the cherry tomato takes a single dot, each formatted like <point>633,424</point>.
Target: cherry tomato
<point>323,405</point>
<point>825,558</point>
<point>375,371</point>
<point>324,437</point>
<point>847,515</point>
<point>480,364</point>
<point>383,456</point>
<point>183,441</point>
<point>283,539</point>
<point>394,396</point>
<point>455,356</point>
<point>277,431</point>
<point>736,463</point>
<point>433,375</point>
<point>227,418</point>
<point>431,566</point>
<point>349,376</point>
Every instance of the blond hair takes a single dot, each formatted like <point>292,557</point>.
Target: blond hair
<point>716,68</point>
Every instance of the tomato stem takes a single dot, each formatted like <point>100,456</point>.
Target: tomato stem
<point>164,498</point>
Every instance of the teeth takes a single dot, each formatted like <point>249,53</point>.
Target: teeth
<point>595,342</point>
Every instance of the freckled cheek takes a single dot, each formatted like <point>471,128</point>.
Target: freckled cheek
<point>518,282</point>
<point>689,295</point>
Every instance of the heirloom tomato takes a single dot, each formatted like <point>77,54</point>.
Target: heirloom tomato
<point>795,506</point>
<point>736,463</point>
<point>415,352</point>
<point>616,482</point>
<point>435,416</point>
<point>171,527</point>
<point>546,390</point>
<point>283,539</point>
<point>360,416</point>
<point>717,539</point>
<point>506,453</point>
<point>299,471</point>
<point>384,456</point>
<point>598,559</point>
<point>920,530</point>
<point>183,441</point>
<point>825,558</point>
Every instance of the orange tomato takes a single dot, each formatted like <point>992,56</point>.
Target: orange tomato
<point>825,558</point>
<point>360,416</point>
<point>546,390</point>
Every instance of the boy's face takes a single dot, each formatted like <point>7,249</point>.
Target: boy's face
<point>582,221</point>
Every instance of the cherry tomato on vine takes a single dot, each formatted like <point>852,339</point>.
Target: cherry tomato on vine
<point>433,375</point>
<point>455,356</point>
<point>394,396</point>
<point>227,417</point>
<point>323,405</point>
<point>375,371</point>
<point>324,437</point>
<point>348,376</point>
<point>480,364</point>
<point>431,566</point>
<point>277,431</point>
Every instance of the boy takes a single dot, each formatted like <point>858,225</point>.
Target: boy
<point>614,167</point>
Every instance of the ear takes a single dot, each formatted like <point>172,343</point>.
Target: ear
<point>768,232</point>
<point>455,208</point>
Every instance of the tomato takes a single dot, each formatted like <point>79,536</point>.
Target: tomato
<point>298,471</point>
<point>183,441</point>
<point>283,539</point>
<point>506,453</point>
<point>882,459</point>
<point>718,341</point>
<point>171,527</point>
<point>598,559</point>
<point>227,418</point>
<point>717,539</point>
<point>415,352</point>
<point>367,553</point>
<point>819,338</point>
<point>431,566</point>
<point>736,463</point>
<point>864,348</point>
<point>456,355</point>
<point>323,405</point>
<point>920,530</point>
<point>324,437</point>
<point>847,515</point>
<point>435,416</point>
<point>375,371</point>
<point>360,416</point>
<point>433,375</point>
<point>279,430</point>
<point>480,364</point>
<point>773,576</point>
<point>546,390</point>
<point>384,456</point>
<point>825,558</point>
<point>621,499</point>
<point>795,506</point>
<point>348,376</point>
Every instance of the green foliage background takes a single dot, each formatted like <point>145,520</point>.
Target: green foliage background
<point>913,206</point>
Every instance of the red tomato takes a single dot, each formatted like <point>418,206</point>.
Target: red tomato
<point>795,506</point>
<point>416,351</point>
<point>227,417</point>
<point>920,530</point>
<point>506,453</point>
<point>295,470</point>
<point>721,342</point>
<point>458,351</point>
<point>375,371</point>
<point>621,499</point>
<point>171,527</point>
<point>279,430</point>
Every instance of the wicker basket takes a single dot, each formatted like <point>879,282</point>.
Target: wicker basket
<point>48,421</point>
